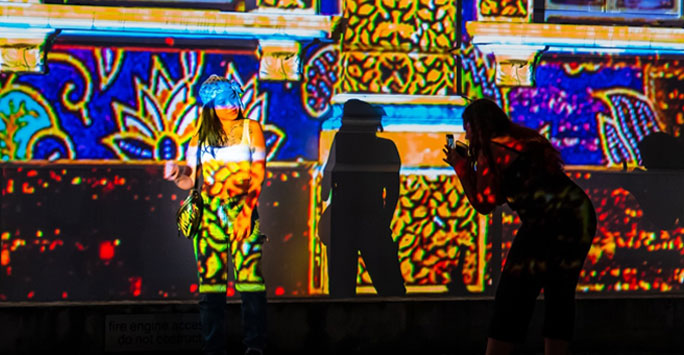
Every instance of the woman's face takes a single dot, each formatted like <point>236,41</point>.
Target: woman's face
<point>226,109</point>
<point>466,128</point>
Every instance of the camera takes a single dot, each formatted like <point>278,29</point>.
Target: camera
<point>461,148</point>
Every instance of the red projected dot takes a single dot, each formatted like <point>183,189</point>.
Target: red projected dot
<point>135,284</point>
<point>169,41</point>
<point>279,291</point>
<point>106,250</point>
<point>193,288</point>
<point>4,257</point>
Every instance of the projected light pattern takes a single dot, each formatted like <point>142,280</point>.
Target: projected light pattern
<point>107,233</point>
<point>641,9</point>
<point>505,8</point>
<point>646,4</point>
<point>163,118</point>
<point>439,233</point>
<point>629,252</point>
<point>400,26</point>
<point>132,105</point>
<point>398,73</point>
<point>631,119</point>
<point>596,111</point>
<point>152,120</point>
<point>663,89</point>
<point>321,77</point>
<point>401,47</point>
<point>59,237</point>
<point>289,4</point>
<point>441,239</point>
<point>29,127</point>
<point>478,73</point>
<point>113,104</point>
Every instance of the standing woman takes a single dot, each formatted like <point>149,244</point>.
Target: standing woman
<point>508,163</point>
<point>232,152</point>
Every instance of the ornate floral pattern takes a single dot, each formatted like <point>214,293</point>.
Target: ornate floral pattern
<point>503,8</point>
<point>631,119</point>
<point>398,73</point>
<point>29,128</point>
<point>163,121</point>
<point>98,103</point>
<point>400,25</point>
<point>287,4</point>
<point>321,77</point>
<point>442,239</point>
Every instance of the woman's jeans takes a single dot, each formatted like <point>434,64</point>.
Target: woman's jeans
<point>212,318</point>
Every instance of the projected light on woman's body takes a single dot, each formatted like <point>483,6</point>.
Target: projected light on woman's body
<point>508,163</point>
<point>233,157</point>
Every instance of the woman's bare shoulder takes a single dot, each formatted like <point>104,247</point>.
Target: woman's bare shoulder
<point>255,127</point>
<point>509,142</point>
<point>253,123</point>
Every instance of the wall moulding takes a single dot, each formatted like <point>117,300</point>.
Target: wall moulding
<point>23,50</point>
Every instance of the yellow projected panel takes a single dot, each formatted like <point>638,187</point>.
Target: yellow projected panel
<point>504,10</point>
<point>159,20</point>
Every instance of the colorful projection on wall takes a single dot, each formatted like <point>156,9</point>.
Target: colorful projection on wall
<point>506,9</point>
<point>399,48</point>
<point>596,110</point>
<point>442,241</point>
<point>640,10</point>
<point>321,77</point>
<point>88,232</point>
<point>121,104</point>
<point>639,245</point>
<point>400,26</point>
<point>116,104</point>
<point>619,5</point>
<point>129,106</point>
<point>290,4</point>
<point>70,217</point>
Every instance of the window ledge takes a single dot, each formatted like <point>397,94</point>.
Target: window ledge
<point>587,37</point>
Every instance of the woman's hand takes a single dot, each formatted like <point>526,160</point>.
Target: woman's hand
<point>171,170</point>
<point>453,156</point>
<point>243,225</point>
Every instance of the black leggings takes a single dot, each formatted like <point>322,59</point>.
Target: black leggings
<point>547,253</point>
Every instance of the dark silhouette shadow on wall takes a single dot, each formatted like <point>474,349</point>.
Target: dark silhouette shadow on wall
<point>456,287</point>
<point>362,172</point>
<point>658,188</point>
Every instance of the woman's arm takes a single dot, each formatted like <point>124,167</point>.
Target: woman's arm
<point>481,187</point>
<point>258,168</point>
<point>183,175</point>
<point>256,178</point>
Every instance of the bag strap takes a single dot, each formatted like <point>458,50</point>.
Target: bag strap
<point>198,166</point>
<point>245,133</point>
